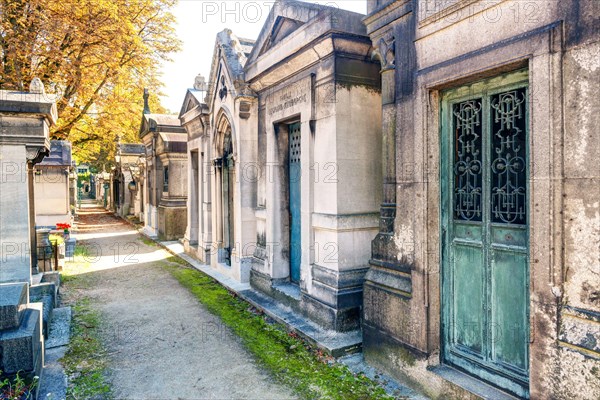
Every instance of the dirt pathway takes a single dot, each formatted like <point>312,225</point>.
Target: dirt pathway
<point>162,343</point>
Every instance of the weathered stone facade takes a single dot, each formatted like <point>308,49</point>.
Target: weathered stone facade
<point>165,176</point>
<point>126,177</point>
<point>318,146</point>
<point>52,186</point>
<point>194,118</point>
<point>222,142</point>
<point>25,121</point>
<point>439,55</point>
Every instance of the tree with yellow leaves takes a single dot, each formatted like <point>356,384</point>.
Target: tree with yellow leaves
<point>95,56</point>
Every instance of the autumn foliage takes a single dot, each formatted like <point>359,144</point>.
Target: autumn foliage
<point>95,57</point>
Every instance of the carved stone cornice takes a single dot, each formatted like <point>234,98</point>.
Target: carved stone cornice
<point>386,14</point>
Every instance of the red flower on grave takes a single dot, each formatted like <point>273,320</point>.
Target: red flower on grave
<point>63,226</point>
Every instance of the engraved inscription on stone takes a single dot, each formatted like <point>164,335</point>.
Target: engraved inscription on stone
<point>289,98</point>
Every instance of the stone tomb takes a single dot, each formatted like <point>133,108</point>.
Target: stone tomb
<point>21,340</point>
<point>165,176</point>
<point>25,120</point>
<point>318,152</point>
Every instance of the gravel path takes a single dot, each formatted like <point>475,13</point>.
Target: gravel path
<point>162,343</point>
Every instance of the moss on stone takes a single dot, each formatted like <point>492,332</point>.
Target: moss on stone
<point>312,374</point>
<point>406,356</point>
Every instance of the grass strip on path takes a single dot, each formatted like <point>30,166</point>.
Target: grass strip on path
<point>85,361</point>
<point>293,362</point>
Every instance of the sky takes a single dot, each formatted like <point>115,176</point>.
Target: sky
<point>199,21</point>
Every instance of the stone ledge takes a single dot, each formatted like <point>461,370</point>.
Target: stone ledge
<point>470,384</point>
<point>22,348</point>
<point>337,344</point>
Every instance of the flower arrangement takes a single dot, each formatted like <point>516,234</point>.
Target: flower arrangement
<point>63,227</point>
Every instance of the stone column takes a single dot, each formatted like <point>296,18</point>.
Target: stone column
<point>384,251</point>
<point>25,120</point>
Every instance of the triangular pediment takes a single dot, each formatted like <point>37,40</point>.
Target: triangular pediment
<point>282,28</point>
<point>191,101</point>
<point>227,67</point>
<point>285,17</point>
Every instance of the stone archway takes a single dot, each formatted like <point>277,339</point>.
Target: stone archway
<point>225,189</point>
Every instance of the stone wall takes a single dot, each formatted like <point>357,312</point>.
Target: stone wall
<point>434,46</point>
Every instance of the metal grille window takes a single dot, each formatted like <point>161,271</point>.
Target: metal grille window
<point>166,179</point>
<point>468,174</point>
<point>508,169</point>
<point>499,120</point>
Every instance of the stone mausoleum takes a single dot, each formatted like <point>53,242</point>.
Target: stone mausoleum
<point>25,121</point>
<point>165,175</point>
<point>128,190</point>
<point>221,140</point>
<point>285,164</point>
<point>319,171</point>
<point>52,186</point>
<point>194,118</point>
<point>484,279</point>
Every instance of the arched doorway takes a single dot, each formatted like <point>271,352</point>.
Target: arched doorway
<point>225,179</point>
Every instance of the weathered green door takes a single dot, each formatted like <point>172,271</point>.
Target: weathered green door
<point>484,188</point>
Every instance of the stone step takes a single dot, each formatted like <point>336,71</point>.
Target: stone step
<point>337,344</point>
<point>60,328</point>
<point>45,293</point>
<point>14,298</point>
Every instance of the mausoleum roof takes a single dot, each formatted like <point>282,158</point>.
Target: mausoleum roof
<point>173,137</point>
<point>60,154</point>
<point>163,119</point>
<point>293,29</point>
<point>160,123</point>
<point>29,103</point>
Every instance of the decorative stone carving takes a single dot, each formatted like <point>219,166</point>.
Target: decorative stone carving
<point>245,107</point>
<point>36,86</point>
<point>35,155</point>
<point>223,90</point>
<point>385,53</point>
<point>200,83</point>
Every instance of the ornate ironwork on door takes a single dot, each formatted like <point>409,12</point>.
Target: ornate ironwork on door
<point>485,269</point>
<point>508,186</point>
<point>467,161</point>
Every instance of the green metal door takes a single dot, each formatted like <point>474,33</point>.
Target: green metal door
<point>485,272</point>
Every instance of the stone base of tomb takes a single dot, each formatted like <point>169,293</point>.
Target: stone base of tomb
<point>21,339</point>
